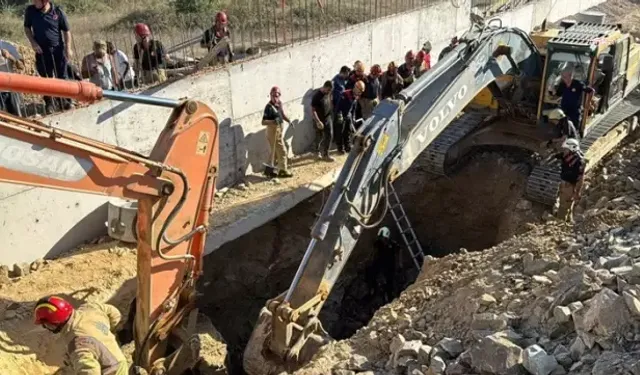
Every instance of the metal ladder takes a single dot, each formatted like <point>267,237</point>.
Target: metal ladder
<point>404,226</point>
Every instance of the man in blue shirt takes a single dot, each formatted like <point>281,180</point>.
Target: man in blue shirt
<point>48,31</point>
<point>339,84</point>
<point>571,90</point>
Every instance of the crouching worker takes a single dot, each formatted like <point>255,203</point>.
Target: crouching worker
<point>571,175</point>
<point>274,118</point>
<point>563,129</point>
<point>92,348</point>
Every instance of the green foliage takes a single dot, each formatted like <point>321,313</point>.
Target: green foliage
<point>195,6</point>
<point>82,6</point>
<point>10,26</point>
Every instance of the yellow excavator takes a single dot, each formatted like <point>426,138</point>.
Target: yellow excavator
<point>494,88</point>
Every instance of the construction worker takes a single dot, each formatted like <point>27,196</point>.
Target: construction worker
<point>563,128</point>
<point>357,74</point>
<point>86,332</point>
<point>371,96</point>
<point>391,83</point>
<point>407,70</point>
<point>384,264</point>
<point>426,48</point>
<point>572,174</point>
<point>571,90</point>
<point>149,56</point>
<point>452,45</point>
<point>419,67</point>
<point>100,67</point>
<point>348,115</point>
<point>274,118</point>
<point>322,111</point>
<point>339,84</point>
<point>215,34</point>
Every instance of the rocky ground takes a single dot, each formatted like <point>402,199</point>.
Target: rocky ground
<point>558,299</point>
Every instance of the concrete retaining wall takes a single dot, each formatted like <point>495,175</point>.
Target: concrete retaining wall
<point>38,222</point>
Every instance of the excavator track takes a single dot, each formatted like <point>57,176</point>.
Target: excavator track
<point>544,181</point>
<point>458,129</point>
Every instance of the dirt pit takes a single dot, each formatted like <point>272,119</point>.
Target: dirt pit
<point>476,208</point>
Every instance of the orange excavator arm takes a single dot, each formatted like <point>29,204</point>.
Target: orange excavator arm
<point>174,187</point>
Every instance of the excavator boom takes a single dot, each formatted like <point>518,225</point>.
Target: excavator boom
<point>174,187</point>
<point>288,331</point>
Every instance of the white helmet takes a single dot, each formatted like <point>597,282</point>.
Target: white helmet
<point>556,114</point>
<point>571,144</point>
<point>384,232</point>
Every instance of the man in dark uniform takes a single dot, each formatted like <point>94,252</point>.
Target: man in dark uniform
<point>215,34</point>
<point>321,109</point>
<point>391,83</point>
<point>407,70</point>
<point>49,33</point>
<point>572,175</point>
<point>563,129</point>
<point>357,74</point>
<point>571,91</point>
<point>371,96</point>
<point>347,114</point>
<point>384,264</point>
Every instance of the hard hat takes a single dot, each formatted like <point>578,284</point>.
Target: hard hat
<point>556,114</point>
<point>421,55</point>
<point>359,67</point>
<point>427,46</point>
<point>571,144</point>
<point>222,18</point>
<point>384,232</point>
<point>359,87</point>
<point>52,310</point>
<point>410,55</point>
<point>275,90</point>
<point>142,29</point>
<point>376,70</point>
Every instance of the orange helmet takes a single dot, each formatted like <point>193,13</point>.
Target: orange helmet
<point>376,70</point>
<point>359,87</point>
<point>142,29</point>
<point>222,18</point>
<point>52,311</point>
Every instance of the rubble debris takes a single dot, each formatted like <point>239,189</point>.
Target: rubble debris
<point>537,361</point>
<point>505,358</point>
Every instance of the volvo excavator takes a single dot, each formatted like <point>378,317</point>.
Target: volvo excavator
<point>494,88</point>
<point>174,187</point>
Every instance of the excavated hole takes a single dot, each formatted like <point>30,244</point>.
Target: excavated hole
<point>474,209</point>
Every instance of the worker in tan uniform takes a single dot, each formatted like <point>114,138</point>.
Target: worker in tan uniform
<point>274,118</point>
<point>92,348</point>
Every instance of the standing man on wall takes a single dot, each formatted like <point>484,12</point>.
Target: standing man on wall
<point>347,114</point>
<point>215,34</point>
<point>49,33</point>
<point>99,67</point>
<point>322,111</point>
<point>149,56</point>
<point>125,75</point>
<point>274,118</point>
<point>10,62</point>
<point>86,332</point>
<point>391,82</point>
<point>426,48</point>
<point>573,165</point>
<point>371,96</point>
<point>339,84</point>
<point>357,74</point>
<point>407,70</point>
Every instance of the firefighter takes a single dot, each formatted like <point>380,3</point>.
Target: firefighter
<point>571,92</point>
<point>371,96</point>
<point>215,34</point>
<point>571,176</point>
<point>357,74</point>
<point>274,118</point>
<point>426,48</point>
<point>420,67</point>
<point>86,332</point>
<point>347,115</point>
<point>391,83</point>
<point>384,264</point>
<point>149,56</point>
<point>563,129</point>
<point>407,70</point>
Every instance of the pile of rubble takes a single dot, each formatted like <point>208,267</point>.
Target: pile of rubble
<point>559,299</point>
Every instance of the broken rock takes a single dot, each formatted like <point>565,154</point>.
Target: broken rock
<point>537,361</point>
<point>488,322</point>
<point>606,316</point>
<point>632,302</point>
<point>563,356</point>
<point>496,355</point>
<point>562,314</point>
<point>437,366</point>
<point>452,347</point>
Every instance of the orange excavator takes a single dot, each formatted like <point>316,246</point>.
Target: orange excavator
<point>174,187</point>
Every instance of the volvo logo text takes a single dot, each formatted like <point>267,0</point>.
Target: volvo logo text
<point>441,115</point>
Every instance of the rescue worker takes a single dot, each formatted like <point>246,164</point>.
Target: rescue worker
<point>339,84</point>
<point>572,175</point>
<point>347,115</point>
<point>563,129</point>
<point>371,96</point>
<point>391,83</point>
<point>86,332</point>
<point>100,67</point>
<point>407,70</point>
<point>274,118</point>
<point>571,90</point>
<point>322,111</point>
<point>357,74</point>
<point>419,67</point>
<point>215,34</point>
<point>149,56</point>
<point>426,48</point>
<point>452,45</point>
<point>384,264</point>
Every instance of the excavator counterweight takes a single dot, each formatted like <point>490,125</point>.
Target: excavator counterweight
<point>174,187</point>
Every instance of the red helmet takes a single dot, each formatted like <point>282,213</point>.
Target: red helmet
<point>410,55</point>
<point>52,310</point>
<point>376,70</point>
<point>420,56</point>
<point>222,18</point>
<point>142,29</point>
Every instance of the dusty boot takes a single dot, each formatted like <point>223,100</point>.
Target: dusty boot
<point>328,158</point>
<point>285,174</point>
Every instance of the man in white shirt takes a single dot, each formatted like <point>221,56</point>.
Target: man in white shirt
<point>99,66</point>
<point>125,74</point>
<point>10,62</point>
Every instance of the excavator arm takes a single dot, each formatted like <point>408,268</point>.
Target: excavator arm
<point>174,187</point>
<point>288,331</point>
